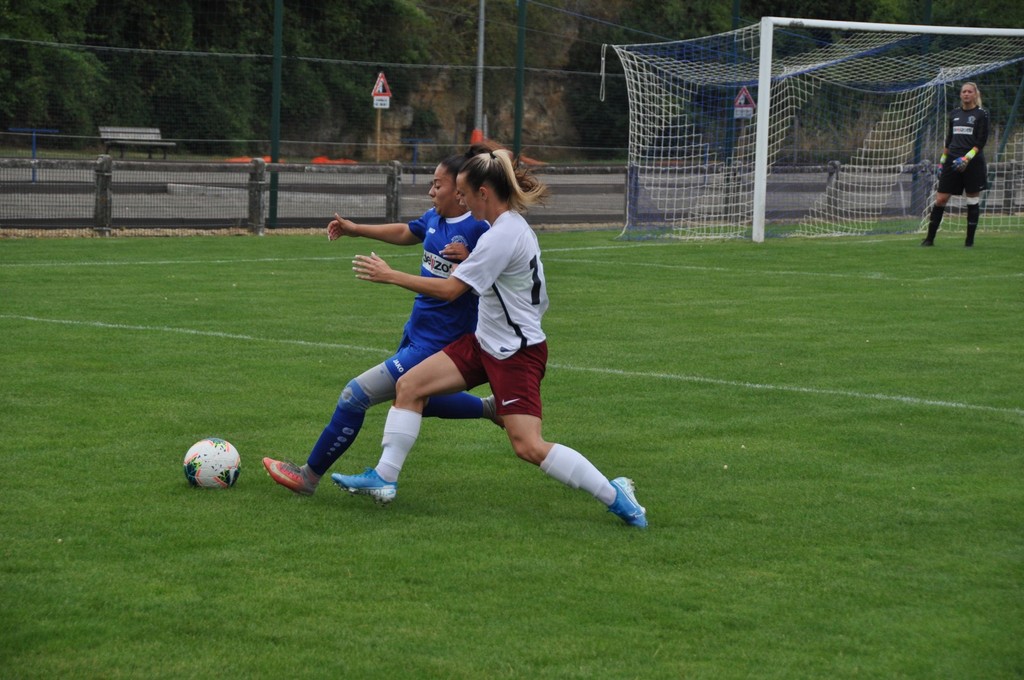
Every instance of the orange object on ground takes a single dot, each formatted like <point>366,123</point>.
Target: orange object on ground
<point>248,159</point>
<point>324,160</point>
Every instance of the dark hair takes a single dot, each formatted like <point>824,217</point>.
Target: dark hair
<point>483,146</point>
<point>453,164</point>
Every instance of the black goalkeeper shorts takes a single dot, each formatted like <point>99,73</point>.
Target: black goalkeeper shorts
<point>973,180</point>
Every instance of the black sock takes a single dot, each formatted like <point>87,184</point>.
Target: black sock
<point>936,219</point>
<point>973,212</point>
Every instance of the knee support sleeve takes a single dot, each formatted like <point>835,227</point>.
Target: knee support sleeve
<point>972,200</point>
<point>353,397</point>
<point>372,387</point>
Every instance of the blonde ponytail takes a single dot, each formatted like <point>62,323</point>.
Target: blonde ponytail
<point>512,183</point>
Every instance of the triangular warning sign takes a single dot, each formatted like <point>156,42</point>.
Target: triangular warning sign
<point>380,88</point>
<point>744,100</point>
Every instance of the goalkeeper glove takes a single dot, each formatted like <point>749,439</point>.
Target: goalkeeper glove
<point>960,164</point>
<point>942,161</point>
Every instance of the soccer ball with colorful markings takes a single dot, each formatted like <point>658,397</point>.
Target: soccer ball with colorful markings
<point>212,464</point>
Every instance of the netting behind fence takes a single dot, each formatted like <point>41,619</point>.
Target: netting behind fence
<point>216,106</point>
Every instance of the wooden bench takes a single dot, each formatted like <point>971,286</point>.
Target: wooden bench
<point>132,136</point>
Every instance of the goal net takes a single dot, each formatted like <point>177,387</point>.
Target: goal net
<point>806,127</point>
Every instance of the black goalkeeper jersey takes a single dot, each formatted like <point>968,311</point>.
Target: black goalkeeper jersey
<point>967,129</point>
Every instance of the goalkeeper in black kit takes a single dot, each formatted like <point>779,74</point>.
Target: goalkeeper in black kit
<point>962,165</point>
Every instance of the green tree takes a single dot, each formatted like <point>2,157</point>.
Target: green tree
<point>625,22</point>
<point>42,86</point>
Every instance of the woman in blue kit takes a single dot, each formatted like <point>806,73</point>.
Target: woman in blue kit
<point>448,233</point>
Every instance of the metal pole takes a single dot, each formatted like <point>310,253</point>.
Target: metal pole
<point>378,135</point>
<point>787,22</point>
<point>478,116</point>
<point>517,141</point>
<point>34,131</point>
<point>275,111</point>
<point>764,110</point>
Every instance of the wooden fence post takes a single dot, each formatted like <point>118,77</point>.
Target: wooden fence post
<point>257,183</point>
<point>103,212</point>
<point>393,192</point>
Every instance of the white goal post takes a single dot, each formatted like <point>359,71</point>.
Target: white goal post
<point>812,127</point>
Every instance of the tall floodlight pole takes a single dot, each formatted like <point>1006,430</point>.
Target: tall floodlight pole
<point>275,106</point>
<point>478,117</point>
<point>517,133</point>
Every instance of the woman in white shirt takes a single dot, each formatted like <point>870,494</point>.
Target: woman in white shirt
<point>507,350</point>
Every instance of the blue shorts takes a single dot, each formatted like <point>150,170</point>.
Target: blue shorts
<point>407,356</point>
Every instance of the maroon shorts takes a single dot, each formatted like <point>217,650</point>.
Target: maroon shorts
<point>515,381</point>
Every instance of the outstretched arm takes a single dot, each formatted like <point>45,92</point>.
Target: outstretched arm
<point>397,233</point>
<point>372,268</point>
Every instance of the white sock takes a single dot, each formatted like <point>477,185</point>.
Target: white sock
<point>570,468</point>
<point>400,432</point>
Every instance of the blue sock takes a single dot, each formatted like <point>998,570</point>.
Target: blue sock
<point>339,434</point>
<point>342,431</point>
<point>459,405</point>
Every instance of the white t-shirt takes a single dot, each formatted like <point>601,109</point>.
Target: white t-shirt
<point>506,272</point>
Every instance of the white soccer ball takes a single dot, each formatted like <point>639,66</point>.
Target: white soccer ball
<point>212,464</point>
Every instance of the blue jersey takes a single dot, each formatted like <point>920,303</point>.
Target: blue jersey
<point>435,323</point>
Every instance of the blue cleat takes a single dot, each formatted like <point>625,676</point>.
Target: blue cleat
<point>625,505</point>
<point>367,484</point>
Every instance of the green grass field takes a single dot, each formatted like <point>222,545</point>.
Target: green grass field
<point>828,435</point>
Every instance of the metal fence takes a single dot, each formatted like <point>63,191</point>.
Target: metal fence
<point>104,195</point>
<point>107,194</point>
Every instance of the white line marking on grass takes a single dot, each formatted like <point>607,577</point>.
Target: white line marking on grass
<point>192,331</point>
<point>914,401</point>
<point>1013,275</point>
<point>851,394</point>
<point>157,263</point>
<point>874,276</point>
<point>871,276</point>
